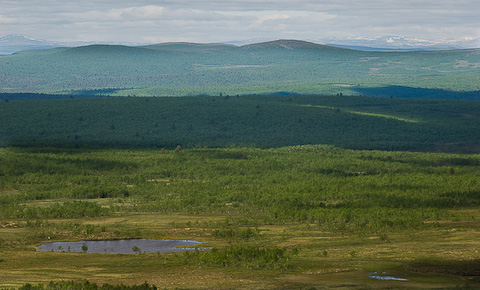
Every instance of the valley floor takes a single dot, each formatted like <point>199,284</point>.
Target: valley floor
<point>303,217</point>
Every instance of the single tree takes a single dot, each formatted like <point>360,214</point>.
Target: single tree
<point>136,250</point>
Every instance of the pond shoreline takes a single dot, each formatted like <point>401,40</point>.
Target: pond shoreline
<point>121,246</point>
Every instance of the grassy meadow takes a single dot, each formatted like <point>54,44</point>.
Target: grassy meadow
<point>292,217</point>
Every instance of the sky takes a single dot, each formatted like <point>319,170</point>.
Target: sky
<point>208,21</point>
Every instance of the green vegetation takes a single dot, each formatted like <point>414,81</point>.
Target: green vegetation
<point>238,256</point>
<point>393,189</point>
<point>335,189</point>
<point>274,67</point>
<point>85,286</point>
<point>290,217</point>
<point>253,121</point>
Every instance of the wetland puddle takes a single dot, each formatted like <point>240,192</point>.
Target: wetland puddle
<point>130,246</point>
<point>383,276</point>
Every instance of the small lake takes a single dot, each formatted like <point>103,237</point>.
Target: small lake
<point>130,246</point>
<point>385,277</point>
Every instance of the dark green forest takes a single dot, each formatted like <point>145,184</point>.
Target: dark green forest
<point>253,121</point>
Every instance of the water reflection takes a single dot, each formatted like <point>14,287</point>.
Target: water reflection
<point>385,277</point>
<point>130,246</point>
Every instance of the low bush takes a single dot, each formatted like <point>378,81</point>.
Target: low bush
<point>239,256</point>
<point>70,285</point>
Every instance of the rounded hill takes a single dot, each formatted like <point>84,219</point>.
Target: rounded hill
<point>191,47</point>
<point>291,45</point>
<point>106,49</point>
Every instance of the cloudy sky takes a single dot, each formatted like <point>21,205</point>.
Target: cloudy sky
<point>151,21</point>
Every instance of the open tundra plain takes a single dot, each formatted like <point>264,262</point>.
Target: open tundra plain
<point>292,217</point>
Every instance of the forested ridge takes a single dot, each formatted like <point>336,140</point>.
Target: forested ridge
<point>257,121</point>
<point>179,69</point>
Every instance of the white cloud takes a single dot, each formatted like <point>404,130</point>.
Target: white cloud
<point>114,14</point>
<point>7,20</point>
<point>220,20</point>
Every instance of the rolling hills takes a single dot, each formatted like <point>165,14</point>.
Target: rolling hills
<point>269,181</point>
<point>295,67</point>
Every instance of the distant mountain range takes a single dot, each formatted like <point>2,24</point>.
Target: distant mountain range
<point>274,67</point>
<point>13,43</point>
<point>400,43</point>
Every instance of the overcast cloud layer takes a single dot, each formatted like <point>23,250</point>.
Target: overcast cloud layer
<point>149,21</point>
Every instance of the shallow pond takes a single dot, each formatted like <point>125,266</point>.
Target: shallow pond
<point>385,277</point>
<point>130,246</point>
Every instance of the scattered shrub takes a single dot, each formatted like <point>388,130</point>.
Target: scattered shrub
<point>236,233</point>
<point>240,256</point>
<point>63,285</point>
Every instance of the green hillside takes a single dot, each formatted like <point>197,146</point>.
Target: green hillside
<point>258,121</point>
<point>179,69</point>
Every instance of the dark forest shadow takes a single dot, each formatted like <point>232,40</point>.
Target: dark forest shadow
<point>410,92</point>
